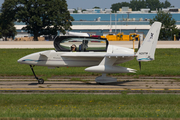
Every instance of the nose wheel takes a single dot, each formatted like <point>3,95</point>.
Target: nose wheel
<point>40,80</point>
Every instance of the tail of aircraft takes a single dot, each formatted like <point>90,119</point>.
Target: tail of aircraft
<point>148,47</point>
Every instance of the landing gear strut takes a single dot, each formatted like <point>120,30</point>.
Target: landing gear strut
<point>40,80</point>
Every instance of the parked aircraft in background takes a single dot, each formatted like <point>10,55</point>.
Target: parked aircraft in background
<point>95,53</point>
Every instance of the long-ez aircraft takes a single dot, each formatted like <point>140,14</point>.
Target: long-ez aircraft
<point>94,53</point>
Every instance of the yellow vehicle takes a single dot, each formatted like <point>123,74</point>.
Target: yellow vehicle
<point>121,37</point>
<point>134,36</point>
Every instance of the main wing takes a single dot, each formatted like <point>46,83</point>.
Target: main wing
<point>95,54</point>
<point>115,55</point>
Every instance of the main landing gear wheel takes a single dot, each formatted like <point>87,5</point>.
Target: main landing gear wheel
<point>104,79</point>
<point>40,80</point>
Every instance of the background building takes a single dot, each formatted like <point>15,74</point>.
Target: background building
<point>103,22</point>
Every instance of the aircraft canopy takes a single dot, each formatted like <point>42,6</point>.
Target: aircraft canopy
<point>82,44</point>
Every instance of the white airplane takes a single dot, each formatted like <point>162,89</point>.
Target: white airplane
<point>95,53</point>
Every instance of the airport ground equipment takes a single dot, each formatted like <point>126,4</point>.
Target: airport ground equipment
<point>122,37</point>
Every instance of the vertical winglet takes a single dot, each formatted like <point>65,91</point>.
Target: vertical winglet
<point>148,47</point>
<point>45,53</point>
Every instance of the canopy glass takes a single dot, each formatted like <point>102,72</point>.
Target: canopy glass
<point>81,44</point>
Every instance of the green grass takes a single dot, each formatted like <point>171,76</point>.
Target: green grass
<point>166,63</point>
<point>89,106</point>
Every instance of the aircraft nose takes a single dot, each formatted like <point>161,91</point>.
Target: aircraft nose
<point>20,60</point>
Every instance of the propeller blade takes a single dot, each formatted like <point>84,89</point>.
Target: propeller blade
<point>140,65</point>
<point>139,44</point>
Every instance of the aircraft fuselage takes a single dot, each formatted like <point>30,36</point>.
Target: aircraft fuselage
<point>51,58</point>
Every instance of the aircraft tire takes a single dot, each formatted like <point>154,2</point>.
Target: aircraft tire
<point>40,81</point>
<point>100,83</point>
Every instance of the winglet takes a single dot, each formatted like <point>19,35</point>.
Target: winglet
<point>45,53</point>
<point>148,47</point>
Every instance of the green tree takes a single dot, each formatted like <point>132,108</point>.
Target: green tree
<point>137,4</point>
<point>116,6</point>
<point>168,25</point>
<point>153,4</point>
<point>7,31</point>
<point>7,28</point>
<point>166,4</point>
<point>1,32</point>
<point>96,7</point>
<point>42,17</point>
<point>75,10</point>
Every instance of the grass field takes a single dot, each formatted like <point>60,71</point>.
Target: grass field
<point>166,63</point>
<point>44,106</point>
<point>89,106</point>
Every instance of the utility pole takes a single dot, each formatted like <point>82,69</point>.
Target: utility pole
<point>110,24</point>
<point>115,23</point>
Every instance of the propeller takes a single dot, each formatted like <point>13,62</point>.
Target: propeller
<point>139,45</point>
<point>140,65</point>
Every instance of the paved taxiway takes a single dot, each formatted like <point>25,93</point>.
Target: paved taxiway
<point>161,84</point>
<point>88,84</point>
<point>49,44</point>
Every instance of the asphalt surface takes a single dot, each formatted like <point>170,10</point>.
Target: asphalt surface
<point>88,85</point>
<point>49,44</point>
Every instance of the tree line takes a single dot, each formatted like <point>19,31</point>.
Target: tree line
<point>41,17</point>
<point>168,29</point>
<point>46,17</point>
<point>137,5</point>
